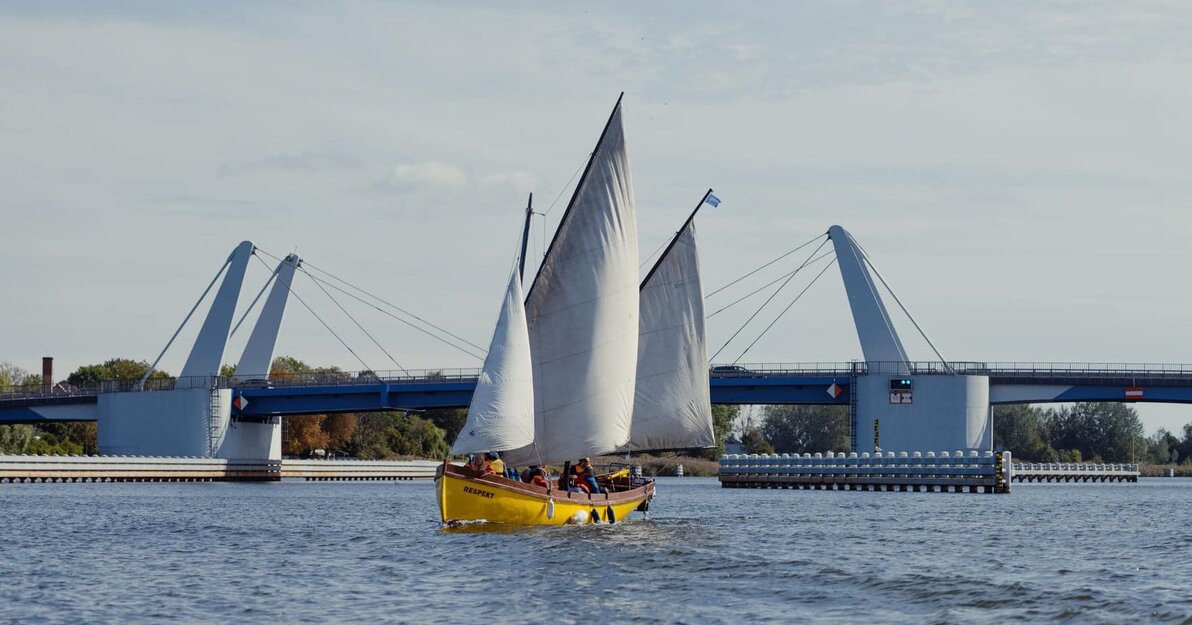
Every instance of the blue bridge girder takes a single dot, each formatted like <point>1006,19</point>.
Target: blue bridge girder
<point>818,384</point>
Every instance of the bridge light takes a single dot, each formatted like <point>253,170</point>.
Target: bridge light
<point>900,384</point>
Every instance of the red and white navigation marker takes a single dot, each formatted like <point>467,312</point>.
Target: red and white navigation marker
<point>834,391</point>
<point>240,402</point>
<point>1133,392</point>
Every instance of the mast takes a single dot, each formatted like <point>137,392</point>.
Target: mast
<point>521,259</point>
<point>675,239</point>
<point>575,193</point>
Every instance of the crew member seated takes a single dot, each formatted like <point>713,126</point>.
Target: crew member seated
<point>536,476</point>
<point>479,464</point>
<point>586,476</point>
<point>495,463</point>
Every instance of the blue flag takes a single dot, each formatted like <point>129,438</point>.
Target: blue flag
<point>713,200</point>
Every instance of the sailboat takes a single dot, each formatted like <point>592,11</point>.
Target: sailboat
<point>560,379</point>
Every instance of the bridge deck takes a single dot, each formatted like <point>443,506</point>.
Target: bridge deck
<point>797,383</point>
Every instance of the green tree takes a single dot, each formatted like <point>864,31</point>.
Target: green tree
<point>1162,447</point>
<point>1020,429</point>
<point>14,376</point>
<point>806,429</point>
<point>387,435</point>
<point>451,420</point>
<point>724,419</point>
<point>16,439</point>
<point>122,369</point>
<point>755,442</point>
<point>1184,449</point>
<point>1101,432</point>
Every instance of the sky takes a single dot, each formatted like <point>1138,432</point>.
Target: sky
<point>1016,170</point>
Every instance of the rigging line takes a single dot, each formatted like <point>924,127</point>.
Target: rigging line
<point>768,284</point>
<point>386,312</point>
<point>569,181</point>
<point>656,250</point>
<point>768,300</point>
<point>390,304</point>
<point>784,310</point>
<point>290,288</point>
<point>766,265</point>
<point>345,311</point>
<point>904,310</point>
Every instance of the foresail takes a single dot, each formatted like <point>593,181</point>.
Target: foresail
<point>501,415</point>
<point>672,408</point>
<point>582,311</point>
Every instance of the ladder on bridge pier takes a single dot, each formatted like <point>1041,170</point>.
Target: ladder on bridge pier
<point>214,423</point>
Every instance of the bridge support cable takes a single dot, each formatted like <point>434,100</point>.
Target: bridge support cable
<point>290,288</point>
<point>321,281</point>
<point>868,261</point>
<point>308,265</point>
<point>784,255</point>
<point>353,319</point>
<point>767,285</point>
<point>784,310</point>
<point>153,367</point>
<point>771,298</point>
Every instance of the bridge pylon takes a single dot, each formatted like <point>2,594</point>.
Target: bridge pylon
<point>896,407</point>
<point>193,418</point>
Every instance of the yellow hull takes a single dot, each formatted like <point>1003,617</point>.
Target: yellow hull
<point>498,500</point>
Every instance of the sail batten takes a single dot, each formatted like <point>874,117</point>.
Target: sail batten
<point>672,408</point>
<point>582,312</point>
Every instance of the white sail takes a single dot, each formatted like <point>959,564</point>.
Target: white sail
<point>672,407</point>
<point>501,415</point>
<point>582,312</point>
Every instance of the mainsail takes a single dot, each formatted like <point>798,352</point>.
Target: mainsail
<point>501,415</point>
<point>671,407</point>
<point>582,311</point>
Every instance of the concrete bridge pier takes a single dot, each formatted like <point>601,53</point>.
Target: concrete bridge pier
<point>910,412</point>
<point>183,422</point>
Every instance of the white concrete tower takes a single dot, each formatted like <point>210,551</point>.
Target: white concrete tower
<point>895,408</point>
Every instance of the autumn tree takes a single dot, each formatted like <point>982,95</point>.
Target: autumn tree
<point>304,434</point>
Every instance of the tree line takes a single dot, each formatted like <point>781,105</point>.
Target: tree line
<point>369,436</point>
<point>1093,432</point>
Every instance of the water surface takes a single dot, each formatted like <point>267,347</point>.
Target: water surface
<point>297,552</point>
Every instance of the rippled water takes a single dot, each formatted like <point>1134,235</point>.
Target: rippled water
<point>299,552</point>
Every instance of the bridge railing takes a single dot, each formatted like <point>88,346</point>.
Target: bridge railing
<point>33,391</point>
<point>1023,369</point>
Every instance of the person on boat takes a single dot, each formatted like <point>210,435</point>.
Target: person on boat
<point>575,486</point>
<point>495,463</point>
<point>480,464</point>
<point>536,476</point>
<point>586,476</point>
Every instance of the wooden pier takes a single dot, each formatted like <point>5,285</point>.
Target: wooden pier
<point>955,472</point>
<point>41,469</point>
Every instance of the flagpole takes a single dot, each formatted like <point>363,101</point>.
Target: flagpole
<point>674,240</point>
